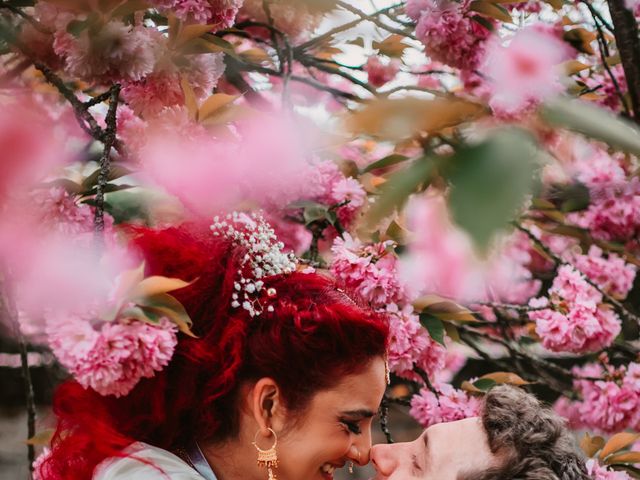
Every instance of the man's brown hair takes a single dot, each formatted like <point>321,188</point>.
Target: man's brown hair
<point>531,441</point>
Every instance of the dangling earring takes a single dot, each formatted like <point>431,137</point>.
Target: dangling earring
<point>351,468</point>
<point>267,458</point>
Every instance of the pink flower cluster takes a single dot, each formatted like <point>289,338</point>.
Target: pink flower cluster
<point>614,212</point>
<point>573,318</point>
<point>326,184</point>
<point>600,472</point>
<point>218,13</point>
<point>369,270</point>
<point>448,32</point>
<point>380,73</point>
<point>607,94</point>
<point>113,359</point>
<point>115,52</point>
<point>150,95</point>
<point>609,399</point>
<point>411,346</point>
<point>448,406</point>
<point>612,274</point>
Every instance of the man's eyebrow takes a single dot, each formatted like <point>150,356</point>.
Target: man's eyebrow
<point>360,413</point>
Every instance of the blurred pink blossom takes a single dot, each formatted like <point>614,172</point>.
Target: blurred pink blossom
<point>263,163</point>
<point>380,73</point>
<point>440,257</point>
<point>605,89</point>
<point>526,71</point>
<point>449,406</point>
<point>112,358</point>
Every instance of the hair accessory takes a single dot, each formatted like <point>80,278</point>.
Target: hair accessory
<point>267,458</point>
<point>264,257</point>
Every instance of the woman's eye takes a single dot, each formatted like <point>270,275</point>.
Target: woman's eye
<point>352,427</point>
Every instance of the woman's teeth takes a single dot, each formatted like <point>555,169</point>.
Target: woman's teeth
<point>328,468</point>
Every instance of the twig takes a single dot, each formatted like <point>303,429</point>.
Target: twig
<point>12,317</point>
<point>103,177</point>
<point>604,53</point>
<point>375,20</point>
<point>384,419</point>
<point>341,28</point>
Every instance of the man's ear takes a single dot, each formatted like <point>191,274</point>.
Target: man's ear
<point>266,403</point>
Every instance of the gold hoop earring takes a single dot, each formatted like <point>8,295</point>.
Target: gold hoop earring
<point>267,458</point>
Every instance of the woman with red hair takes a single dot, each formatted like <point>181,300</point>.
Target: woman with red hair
<point>282,379</point>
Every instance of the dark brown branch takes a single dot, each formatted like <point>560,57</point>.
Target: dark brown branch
<point>11,316</point>
<point>105,167</point>
<point>626,33</point>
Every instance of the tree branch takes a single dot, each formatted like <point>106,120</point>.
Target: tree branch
<point>626,33</point>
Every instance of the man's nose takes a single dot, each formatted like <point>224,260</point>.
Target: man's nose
<point>384,459</point>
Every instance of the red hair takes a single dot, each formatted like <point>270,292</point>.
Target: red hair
<point>314,327</point>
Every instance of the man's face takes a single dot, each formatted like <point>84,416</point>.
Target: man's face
<point>443,452</point>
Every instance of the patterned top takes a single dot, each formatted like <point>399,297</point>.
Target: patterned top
<point>152,463</point>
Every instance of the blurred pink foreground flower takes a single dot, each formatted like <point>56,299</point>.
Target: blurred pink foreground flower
<point>263,162</point>
<point>526,71</point>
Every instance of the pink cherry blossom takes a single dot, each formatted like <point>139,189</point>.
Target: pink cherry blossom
<point>611,404</point>
<point>576,320</point>
<point>448,32</point>
<point>600,472</point>
<point>411,346</point>
<point>380,73</point>
<point>112,359</point>
<point>605,89</point>
<point>611,273</point>
<point>526,71</point>
<point>115,52</point>
<point>450,405</point>
<point>217,13</point>
<point>150,95</point>
<point>369,270</point>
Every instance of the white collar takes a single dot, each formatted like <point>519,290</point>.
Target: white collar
<point>197,458</point>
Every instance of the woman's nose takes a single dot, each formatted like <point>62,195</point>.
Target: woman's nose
<point>383,459</point>
<point>360,449</point>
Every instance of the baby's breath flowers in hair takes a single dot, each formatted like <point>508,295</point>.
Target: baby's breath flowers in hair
<point>263,257</point>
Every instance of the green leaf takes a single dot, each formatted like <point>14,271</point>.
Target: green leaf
<point>116,171</point>
<point>314,213</point>
<point>434,326</point>
<point>593,122</point>
<point>484,384</point>
<point>398,188</point>
<point>75,27</point>
<point>165,305</point>
<point>387,161</point>
<point>489,183</point>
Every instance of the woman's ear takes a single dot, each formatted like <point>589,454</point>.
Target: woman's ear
<point>267,407</point>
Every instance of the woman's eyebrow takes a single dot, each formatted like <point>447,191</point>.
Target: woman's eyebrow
<point>360,413</point>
